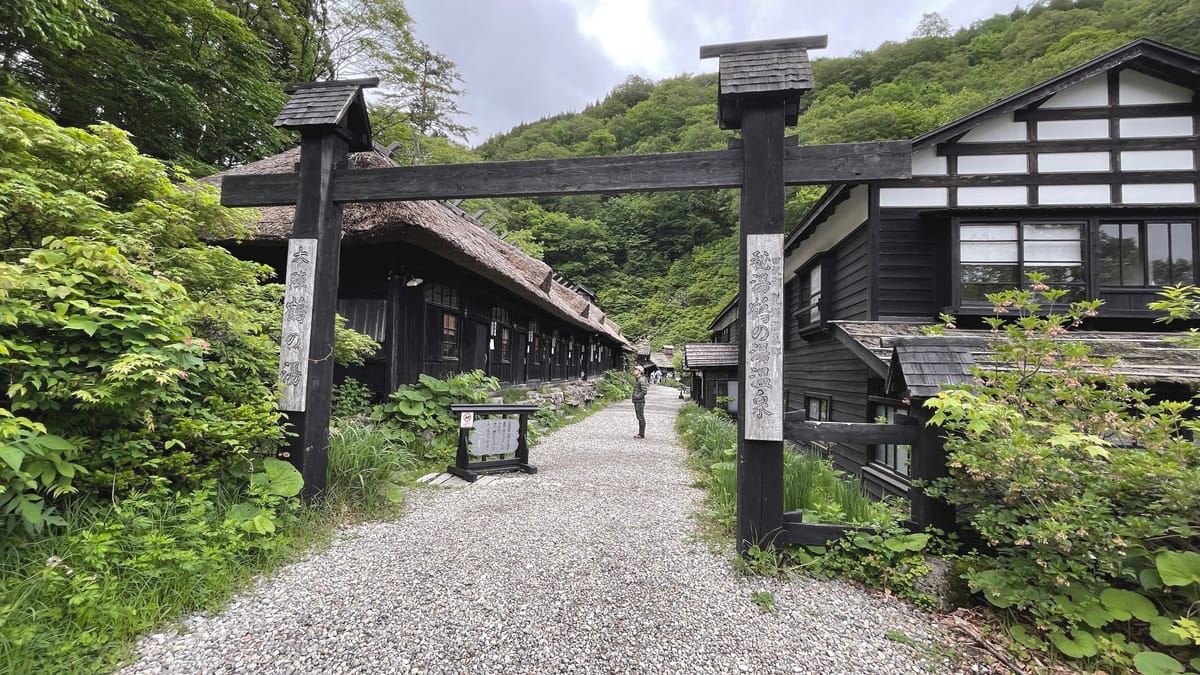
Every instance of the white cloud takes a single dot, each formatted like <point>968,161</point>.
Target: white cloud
<point>625,33</point>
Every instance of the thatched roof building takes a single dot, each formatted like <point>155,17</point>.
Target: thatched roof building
<point>439,228</point>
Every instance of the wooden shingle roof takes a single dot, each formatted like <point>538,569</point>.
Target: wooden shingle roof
<point>710,355</point>
<point>336,104</point>
<point>1143,357</point>
<point>922,365</point>
<point>759,69</point>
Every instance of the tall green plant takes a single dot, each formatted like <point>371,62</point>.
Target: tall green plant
<point>1077,482</point>
<point>420,413</point>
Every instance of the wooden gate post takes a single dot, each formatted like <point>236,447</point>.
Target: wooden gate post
<point>760,329</point>
<point>759,90</point>
<point>332,120</point>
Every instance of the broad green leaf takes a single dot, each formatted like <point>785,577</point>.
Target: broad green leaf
<point>1178,568</point>
<point>86,325</point>
<point>52,442</point>
<point>1162,629</point>
<point>910,542</point>
<point>278,478</point>
<point>1080,645</point>
<point>12,456</point>
<point>394,493</point>
<point>1124,604</point>
<point>1156,663</point>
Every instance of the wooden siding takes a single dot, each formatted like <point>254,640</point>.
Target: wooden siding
<point>371,291</point>
<point>910,251</point>
<point>851,291</point>
<point>824,367</point>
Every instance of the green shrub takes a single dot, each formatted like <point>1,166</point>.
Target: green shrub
<point>614,385</point>
<point>1077,528</point>
<point>350,398</point>
<point>74,602</point>
<point>419,414</point>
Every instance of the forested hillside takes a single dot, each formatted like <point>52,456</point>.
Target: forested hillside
<point>664,264</point>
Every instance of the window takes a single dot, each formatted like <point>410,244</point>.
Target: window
<point>1146,254</point>
<point>534,346</point>
<point>894,457</point>
<point>813,310</point>
<point>449,336</point>
<point>502,332</point>
<point>816,408</point>
<point>994,257</point>
<point>438,294</point>
<point>726,392</point>
<point>443,321</point>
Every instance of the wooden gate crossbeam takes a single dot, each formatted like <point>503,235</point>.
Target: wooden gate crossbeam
<point>802,165</point>
<point>759,90</point>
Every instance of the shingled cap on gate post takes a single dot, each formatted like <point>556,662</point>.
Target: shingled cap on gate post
<point>763,69</point>
<point>337,104</point>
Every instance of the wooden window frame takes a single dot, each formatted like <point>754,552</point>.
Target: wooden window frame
<point>823,305</point>
<point>1142,224</point>
<point>451,338</point>
<point>1086,259</point>
<point>873,450</point>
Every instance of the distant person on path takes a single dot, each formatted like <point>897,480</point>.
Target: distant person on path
<point>639,400</point>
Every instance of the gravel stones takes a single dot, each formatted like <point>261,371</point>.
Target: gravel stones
<point>591,565</point>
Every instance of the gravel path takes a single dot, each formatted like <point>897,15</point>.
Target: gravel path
<point>589,566</point>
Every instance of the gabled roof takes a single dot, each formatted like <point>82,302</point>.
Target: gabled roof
<point>1144,357</point>
<point>442,229</point>
<point>701,355</point>
<point>750,70</point>
<point>335,104</point>
<point>1145,55</point>
<point>923,365</point>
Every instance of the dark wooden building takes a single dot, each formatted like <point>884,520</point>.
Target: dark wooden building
<point>1090,178</point>
<point>442,294</point>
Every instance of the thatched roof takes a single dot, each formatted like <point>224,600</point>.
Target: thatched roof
<point>1144,357</point>
<point>439,228</point>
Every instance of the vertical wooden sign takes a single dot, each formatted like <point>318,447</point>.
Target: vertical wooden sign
<point>295,338</point>
<point>763,395</point>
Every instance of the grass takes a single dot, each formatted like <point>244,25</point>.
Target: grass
<point>765,601</point>
<point>77,600</point>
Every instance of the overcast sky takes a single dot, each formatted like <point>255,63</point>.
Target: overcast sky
<point>522,60</point>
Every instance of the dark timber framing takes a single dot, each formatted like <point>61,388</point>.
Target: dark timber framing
<point>761,168</point>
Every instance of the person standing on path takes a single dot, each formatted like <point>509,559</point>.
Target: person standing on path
<point>639,400</point>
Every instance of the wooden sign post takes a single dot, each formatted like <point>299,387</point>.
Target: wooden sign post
<point>759,90</point>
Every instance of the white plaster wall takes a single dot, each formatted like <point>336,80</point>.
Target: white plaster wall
<point>1175,193</point>
<point>1070,162</point>
<point>1052,130</point>
<point>1089,93</point>
<point>1156,127</point>
<point>1003,129</point>
<point>846,218</point>
<point>973,165</point>
<point>1008,195</point>
<point>926,162</point>
<point>1074,194</point>
<point>925,196</point>
<point>1157,160</point>
<point>1142,89</point>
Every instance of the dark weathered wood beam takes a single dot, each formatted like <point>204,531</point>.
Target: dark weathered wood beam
<point>803,165</point>
<point>756,46</point>
<point>860,433</point>
<point>799,533</point>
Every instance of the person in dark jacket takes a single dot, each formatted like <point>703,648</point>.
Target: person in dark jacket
<point>639,399</point>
